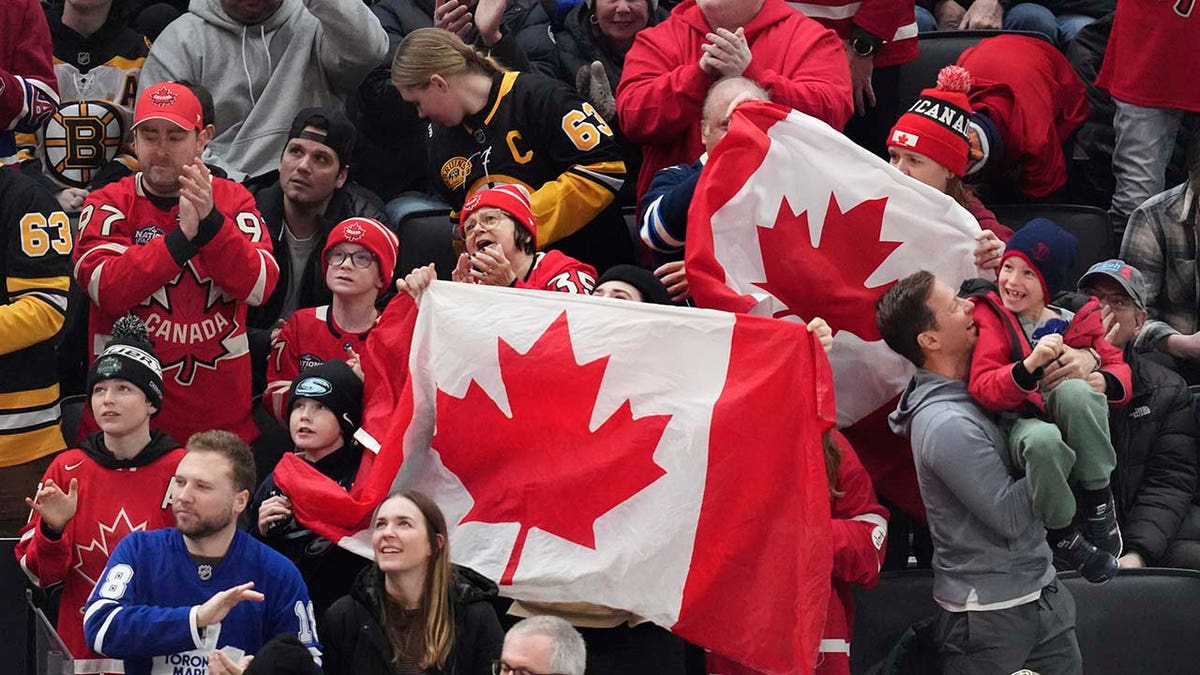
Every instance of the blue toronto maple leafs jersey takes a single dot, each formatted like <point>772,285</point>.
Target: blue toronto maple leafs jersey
<point>143,609</point>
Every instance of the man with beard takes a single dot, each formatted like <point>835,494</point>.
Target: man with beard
<point>185,598</point>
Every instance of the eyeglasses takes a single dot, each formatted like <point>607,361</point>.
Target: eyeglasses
<point>502,668</point>
<point>487,221</point>
<point>360,259</point>
<point>1118,302</point>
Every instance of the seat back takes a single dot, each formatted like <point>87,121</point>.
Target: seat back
<point>1089,224</point>
<point>427,237</point>
<point>939,50</point>
<point>1139,622</point>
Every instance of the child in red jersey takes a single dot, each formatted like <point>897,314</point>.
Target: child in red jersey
<point>117,481</point>
<point>359,255</point>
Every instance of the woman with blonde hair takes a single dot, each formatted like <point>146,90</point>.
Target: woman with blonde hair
<point>492,127</point>
<point>412,612</point>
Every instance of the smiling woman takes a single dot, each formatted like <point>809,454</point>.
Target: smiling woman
<point>412,611</point>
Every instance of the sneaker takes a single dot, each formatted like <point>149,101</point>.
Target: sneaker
<point>1080,555</point>
<point>1100,527</point>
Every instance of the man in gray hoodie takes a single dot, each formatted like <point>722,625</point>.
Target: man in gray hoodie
<point>1002,608</point>
<point>264,61</point>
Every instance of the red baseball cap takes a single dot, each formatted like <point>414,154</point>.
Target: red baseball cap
<point>172,102</point>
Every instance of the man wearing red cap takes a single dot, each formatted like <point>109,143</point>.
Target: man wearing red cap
<point>501,242</point>
<point>185,252</point>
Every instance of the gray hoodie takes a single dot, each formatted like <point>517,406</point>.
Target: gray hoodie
<point>988,546</point>
<point>308,53</point>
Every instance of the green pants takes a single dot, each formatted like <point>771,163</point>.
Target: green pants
<point>1073,447</point>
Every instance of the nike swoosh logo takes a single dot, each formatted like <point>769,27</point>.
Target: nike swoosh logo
<point>72,467</point>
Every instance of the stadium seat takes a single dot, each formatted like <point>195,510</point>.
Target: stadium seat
<point>427,237</point>
<point>1088,223</point>
<point>72,413</point>
<point>1139,622</point>
<point>13,620</point>
<point>939,50</point>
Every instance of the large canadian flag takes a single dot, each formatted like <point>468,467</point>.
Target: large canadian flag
<point>664,461</point>
<point>791,219</point>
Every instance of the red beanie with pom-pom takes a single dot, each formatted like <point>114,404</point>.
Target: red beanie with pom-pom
<point>937,124</point>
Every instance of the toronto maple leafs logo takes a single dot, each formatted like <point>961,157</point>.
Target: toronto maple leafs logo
<point>91,559</point>
<point>198,328</point>
<point>488,450</point>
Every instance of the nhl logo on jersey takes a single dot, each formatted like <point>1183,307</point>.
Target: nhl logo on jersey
<point>204,572</point>
<point>81,137</point>
<point>146,235</point>
<point>162,97</point>
<point>455,171</point>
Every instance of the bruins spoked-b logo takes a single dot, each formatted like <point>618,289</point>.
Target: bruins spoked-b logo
<point>82,137</point>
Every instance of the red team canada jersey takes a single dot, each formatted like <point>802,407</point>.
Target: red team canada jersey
<point>1152,42</point>
<point>309,338</point>
<point>112,503</point>
<point>130,257</point>
<point>555,271</point>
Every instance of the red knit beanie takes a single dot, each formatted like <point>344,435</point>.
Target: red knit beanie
<point>371,235</point>
<point>511,199</point>
<point>937,124</point>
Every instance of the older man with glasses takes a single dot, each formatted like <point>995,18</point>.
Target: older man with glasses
<point>1155,483</point>
<point>542,645</point>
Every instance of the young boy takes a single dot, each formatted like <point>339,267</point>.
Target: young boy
<point>1053,400</point>
<point>325,404</point>
<point>360,256</point>
<point>117,481</point>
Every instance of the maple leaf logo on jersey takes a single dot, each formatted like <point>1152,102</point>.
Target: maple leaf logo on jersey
<point>577,474</point>
<point>199,328</point>
<point>849,251</point>
<point>91,559</point>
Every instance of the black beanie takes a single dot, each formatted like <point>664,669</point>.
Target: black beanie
<point>336,386</point>
<point>129,356</point>
<point>651,288</point>
<point>283,655</point>
<point>1048,249</point>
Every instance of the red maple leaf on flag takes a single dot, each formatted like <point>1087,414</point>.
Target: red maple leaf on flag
<point>543,466</point>
<point>828,280</point>
<point>191,334</point>
<point>91,559</point>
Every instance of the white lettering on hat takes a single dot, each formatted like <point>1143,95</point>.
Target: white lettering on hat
<point>131,352</point>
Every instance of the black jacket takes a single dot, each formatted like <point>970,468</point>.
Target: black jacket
<point>327,569</point>
<point>1155,439</point>
<point>355,644</point>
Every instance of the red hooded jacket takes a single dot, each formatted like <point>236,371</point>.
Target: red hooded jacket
<point>992,382</point>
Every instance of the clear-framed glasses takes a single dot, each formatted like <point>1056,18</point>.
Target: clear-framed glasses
<point>502,668</point>
<point>487,220</point>
<point>361,259</point>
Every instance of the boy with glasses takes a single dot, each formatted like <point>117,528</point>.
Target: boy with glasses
<point>359,256</point>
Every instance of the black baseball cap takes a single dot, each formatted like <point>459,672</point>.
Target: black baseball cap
<point>337,130</point>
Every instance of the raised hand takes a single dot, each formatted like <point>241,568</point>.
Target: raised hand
<point>54,506</point>
<point>222,603</point>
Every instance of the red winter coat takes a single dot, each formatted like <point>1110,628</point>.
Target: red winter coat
<point>1032,93</point>
<point>992,382</point>
<point>800,63</point>
<point>859,541</point>
<point>25,51</point>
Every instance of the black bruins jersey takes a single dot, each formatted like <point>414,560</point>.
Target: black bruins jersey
<point>35,258</point>
<point>537,133</point>
<point>97,87</point>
